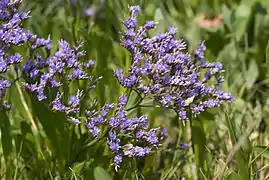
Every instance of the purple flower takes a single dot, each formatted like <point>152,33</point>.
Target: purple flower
<point>199,53</point>
<point>184,145</point>
<point>149,25</point>
<point>14,59</point>
<point>164,132</point>
<point>79,74</point>
<point>90,63</point>
<point>131,129</point>
<point>94,130</point>
<point>151,136</point>
<point>113,142</point>
<point>57,105</point>
<point>3,66</point>
<point>117,161</point>
<point>131,151</point>
<point>104,110</point>
<point>139,133</point>
<point>4,84</point>
<point>74,100</point>
<point>114,122</point>
<point>40,42</point>
<point>162,69</point>
<point>122,101</point>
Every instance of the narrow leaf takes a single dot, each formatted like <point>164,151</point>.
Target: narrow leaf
<point>6,138</point>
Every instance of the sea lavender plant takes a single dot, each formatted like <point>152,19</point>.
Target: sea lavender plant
<point>138,139</point>
<point>162,68</point>
<point>11,35</point>
<point>47,74</point>
<point>41,73</point>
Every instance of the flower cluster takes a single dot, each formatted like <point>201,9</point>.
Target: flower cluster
<point>41,72</point>
<point>138,139</point>
<point>58,72</point>
<point>162,68</point>
<point>63,66</point>
<point>12,35</point>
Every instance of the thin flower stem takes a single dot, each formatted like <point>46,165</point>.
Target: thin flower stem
<point>96,140</point>
<point>129,91</point>
<point>92,143</point>
<point>136,105</point>
<point>152,106</point>
<point>138,93</point>
<point>148,106</point>
<point>138,102</point>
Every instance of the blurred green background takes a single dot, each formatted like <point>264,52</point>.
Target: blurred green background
<point>227,143</point>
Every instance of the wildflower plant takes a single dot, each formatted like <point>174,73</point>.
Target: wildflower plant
<point>161,69</point>
<point>48,79</point>
<point>58,72</point>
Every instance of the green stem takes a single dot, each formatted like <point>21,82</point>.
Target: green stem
<point>138,102</point>
<point>96,140</point>
<point>136,105</point>
<point>92,143</point>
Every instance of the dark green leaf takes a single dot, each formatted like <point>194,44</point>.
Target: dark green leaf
<point>56,128</point>
<point>199,141</point>
<point>6,138</point>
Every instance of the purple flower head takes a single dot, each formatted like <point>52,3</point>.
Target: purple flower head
<point>117,161</point>
<point>164,132</point>
<point>129,33</point>
<point>114,122</point>
<point>60,69</point>
<point>4,84</point>
<point>79,74</point>
<point>184,145</point>
<point>113,142</point>
<point>134,10</point>
<point>93,129</point>
<point>122,101</point>
<point>105,109</point>
<point>139,133</point>
<point>40,42</point>
<point>162,69</point>
<point>74,100</point>
<point>151,136</point>
<point>14,59</point>
<point>57,105</point>
<point>125,135</point>
<point>90,63</point>
<point>199,53</point>
<point>3,66</point>
<point>149,25</point>
<point>131,151</point>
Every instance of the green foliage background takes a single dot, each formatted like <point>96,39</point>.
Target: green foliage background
<point>227,143</point>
